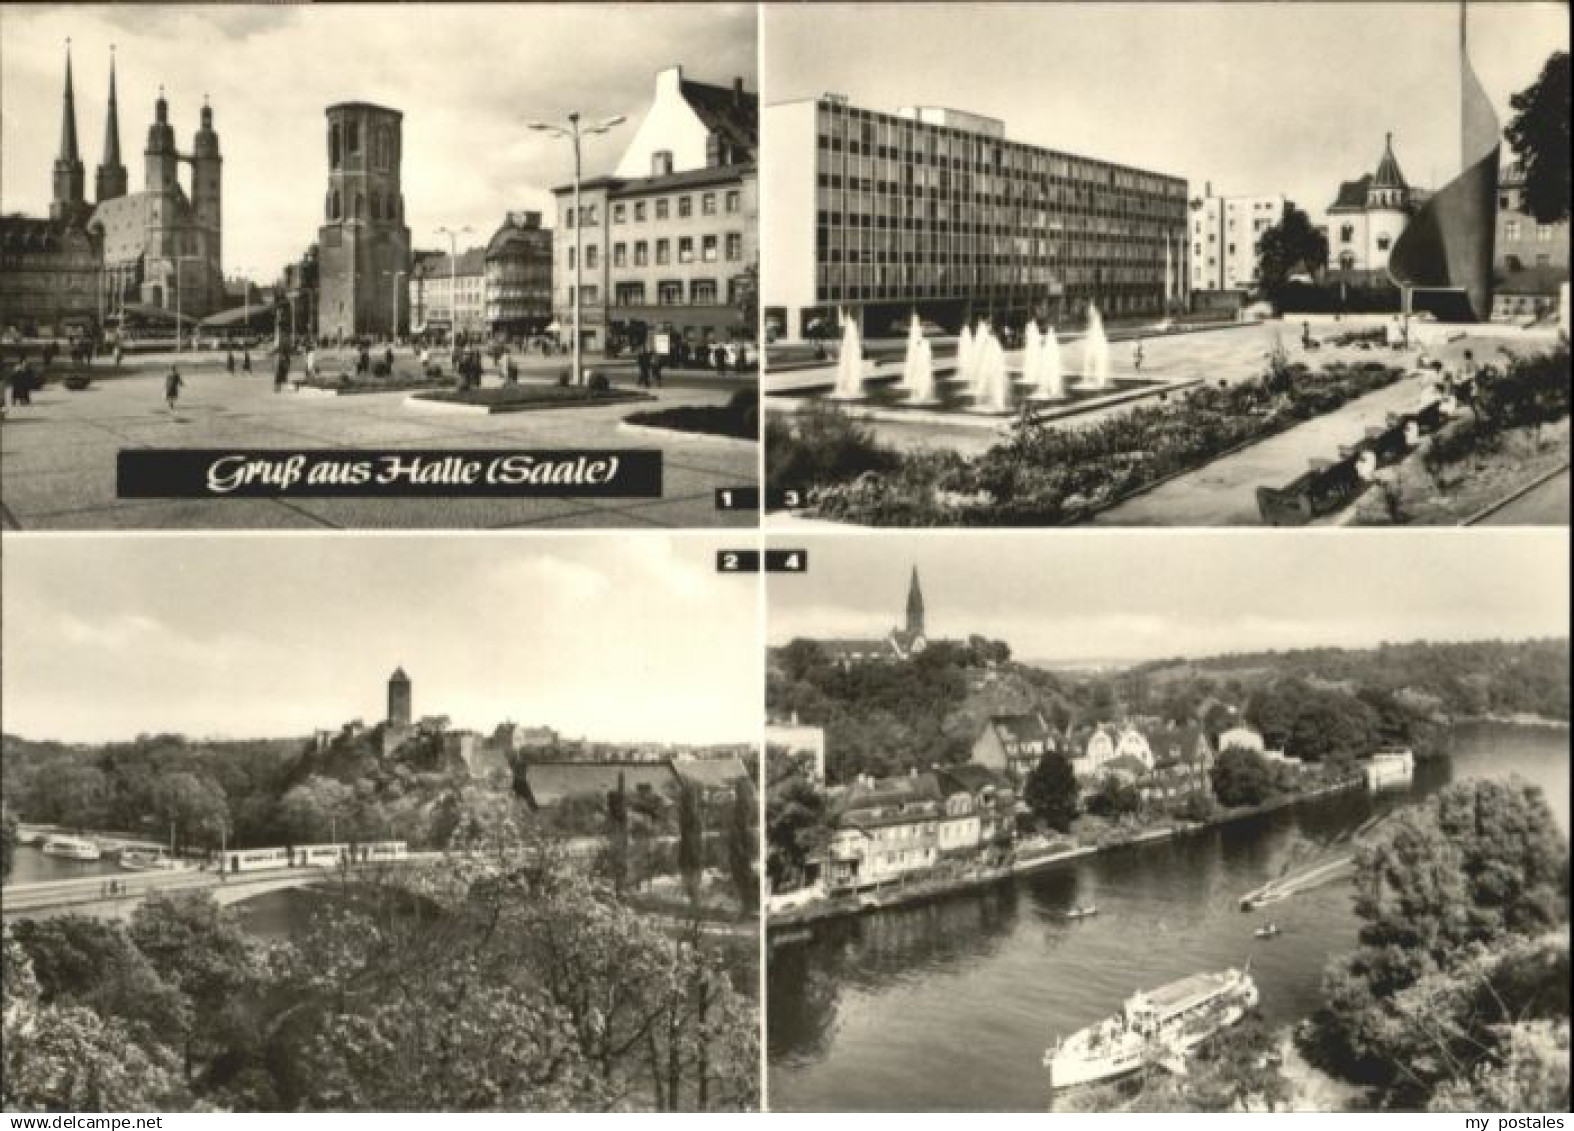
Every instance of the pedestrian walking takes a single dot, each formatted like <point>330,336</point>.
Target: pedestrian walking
<point>643,363</point>
<point>281,371</point>
<point>510,370</point>
<point>311,363</point>
<point>245,361</point>
<point>229,362</point>
<point>119,353</point>
<point>172,387</point>
<point>388,359</point>
<point>655,370</point>
<point>1136,357</point>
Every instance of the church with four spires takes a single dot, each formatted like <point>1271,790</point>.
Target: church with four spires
<point>90,264</point>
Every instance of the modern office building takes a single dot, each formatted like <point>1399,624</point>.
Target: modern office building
<point>934,210</point>
<point>669,242</point>
<point>1224,235</point>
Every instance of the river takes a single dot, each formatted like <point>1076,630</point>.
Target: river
<point>949,1005</point>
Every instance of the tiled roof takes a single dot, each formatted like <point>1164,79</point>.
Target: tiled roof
<point>1020,727</point>
<point>621,187</point>
<point>1388,174</point>
<point>727,111</point>
<point>1352,195</point>
<point>472,261</point>
<point>968,777</point>
<point>891,791</point>
<point>553,781</point>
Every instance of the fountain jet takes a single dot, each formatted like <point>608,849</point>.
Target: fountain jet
<point>849,364</point>
<point>1051,378</point>
<point>1095,353</point>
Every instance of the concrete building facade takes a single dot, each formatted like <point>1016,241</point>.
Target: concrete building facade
<point>1531,258</point>
<point>518,285</point>
<point>935,210</point>
<point>1224,235</point>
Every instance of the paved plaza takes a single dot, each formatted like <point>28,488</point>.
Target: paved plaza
<point>57,457</point>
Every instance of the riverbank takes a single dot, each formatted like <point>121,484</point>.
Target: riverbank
<point>925,889</point>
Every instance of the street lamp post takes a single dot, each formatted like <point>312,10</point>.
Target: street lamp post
<point>453,282</point>
<point>393,326</point>
<point>245,290</point>
<point>574,132</point>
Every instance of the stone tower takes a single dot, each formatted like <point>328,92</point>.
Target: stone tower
<point>399,699</point>
<point>110,180</point>
<point>206,194</point>
<point>160,158</point>
<point>363,245</point>
<point>915,606</point>
<point>67,202</point>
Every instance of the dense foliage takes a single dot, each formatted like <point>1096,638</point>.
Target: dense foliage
<point>1539,133</point>
<point>506,979</point>
<point>1051,791</point>
<point>1460,988</point>
<point>1048,474</point>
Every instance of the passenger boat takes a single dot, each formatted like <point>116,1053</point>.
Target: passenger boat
<point>1083,912</point>
<point>72,848</point>
<point>143,860</point>
<point>1268,930</point>
<point>1159,1026</point>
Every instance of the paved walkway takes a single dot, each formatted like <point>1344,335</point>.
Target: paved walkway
<point>1224,493</point>
<point>57,458</point>
<point>1545,505</point>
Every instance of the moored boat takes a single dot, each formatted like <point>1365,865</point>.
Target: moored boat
<point>1156,1027</point>
<point>1083,912</point>
<point>1268,930</point>
<point>72,848</point>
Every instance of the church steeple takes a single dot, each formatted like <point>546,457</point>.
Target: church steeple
<point>111,179</point>
<point>915,606</point>
<point>66,203</point>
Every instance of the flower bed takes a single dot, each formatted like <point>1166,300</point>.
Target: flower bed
<point>524,398</point>
<point>1047,475</point>
<point>346,385</point>
<point>738,419</point>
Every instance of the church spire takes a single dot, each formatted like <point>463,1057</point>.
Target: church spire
<point>68,119</point>
<point>915,606</point>
<point>111,180</point>
<point>66,203</point>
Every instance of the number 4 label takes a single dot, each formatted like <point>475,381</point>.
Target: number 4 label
<point>786,561</point>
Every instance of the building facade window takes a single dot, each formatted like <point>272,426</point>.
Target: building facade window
<point>592,257</point>
<point>708,204</point>
<point>352,137</point>
<point>663,252</point>
<point>619,255</point>
<point>734,201</point>
<point>641,253</point>
<point>734,247</point>
<point>661,209</point>
<point>617,213</point>
<point>685,206</point>
<point>661,163</point>
<point>639,211</point>
<point>702,291</point>
<point>669,293</point>
<point>1543,233</point>
<point>708,249</point>
<point>685,249</point>
<point>631,294</point>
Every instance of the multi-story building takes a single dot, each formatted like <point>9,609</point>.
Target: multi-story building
<point>884,829</point>
<point>1013,744</point>
<point>518,285</point>
<point>936,211</point>
<point>1224,235</point>
<point>667,246</point>
<point>451,293</point>
<point>1532,257</point>
<point>1365,220</point>
<point>364,245</point>
<point>979,821</point>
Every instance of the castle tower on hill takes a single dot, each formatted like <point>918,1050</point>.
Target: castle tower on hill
<point>399,699</point>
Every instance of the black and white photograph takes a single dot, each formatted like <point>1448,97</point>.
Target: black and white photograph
<point>1138,822</point>
<point>1166,264</point>
<point>379,823</point>
<point>374,228</point>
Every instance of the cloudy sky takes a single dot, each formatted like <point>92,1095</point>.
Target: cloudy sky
<point>1255,97</point>
<point>1133,595</point>
<point>613,637</point>
<point>466,76</point>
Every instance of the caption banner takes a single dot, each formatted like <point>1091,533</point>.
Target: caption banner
<point>191,473</point>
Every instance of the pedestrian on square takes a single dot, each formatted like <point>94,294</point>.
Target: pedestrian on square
<point>388,359</point>
<point>281,371</point>
<point>119,353</point>
<point>642,360</point>
<point>311,362</point>
<point>21,382</point>
<point>229,362</point>
<point>655,369</point>
<point>510,370</point>
<point>172,387</point>
<point>245,360</point>
<point>1136,357</point>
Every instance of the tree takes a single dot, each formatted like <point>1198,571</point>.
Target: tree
<point>312,812</point>
<point>1241,776</point>
<point>1051,791</point>
<point>795,830</point>
<point>1463,938</point>
<point>194,805</point>
<point>691,840</point>
<point>1115,797</point>
<point>8,842</point>
<point>743,845</point>
<point>1539,134</point>
<point>1290,246</point>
